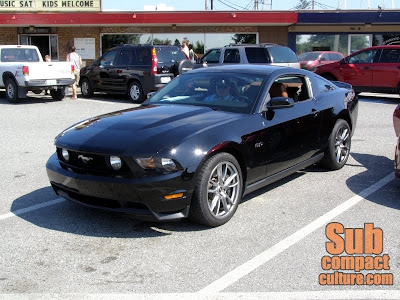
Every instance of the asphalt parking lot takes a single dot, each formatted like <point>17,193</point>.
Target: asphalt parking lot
<point>271,249</point>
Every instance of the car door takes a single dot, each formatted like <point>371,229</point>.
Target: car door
<point>100,72</point>
<point>386,74</point>
<point>292,133</point>
<point>358,68</point>
<point>211,58</point>
<point>121,69</point>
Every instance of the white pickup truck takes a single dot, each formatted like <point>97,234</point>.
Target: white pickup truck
<point>22,69</point>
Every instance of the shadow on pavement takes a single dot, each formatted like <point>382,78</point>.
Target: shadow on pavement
<point>76,219</point>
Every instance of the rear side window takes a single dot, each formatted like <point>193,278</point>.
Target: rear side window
<point>390,56</point>
<point>282,55</point>
<point>335,56</point>
<point>126,57</point>
<point>169,54</point>
<point>19,55</point>
<point>143,56</point>
<point>231,56</point>
<point>257,55</point>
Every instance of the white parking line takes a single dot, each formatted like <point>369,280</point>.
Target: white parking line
<point>30,208</point>
<point>249,266</point>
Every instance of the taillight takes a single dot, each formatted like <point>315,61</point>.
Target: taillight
<point>154,61</point>
<point>25,70</point>
<point>72,69</point>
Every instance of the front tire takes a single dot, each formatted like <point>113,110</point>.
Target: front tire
<point>135,92</point>
<point>218,191</point>
<point>11,91</point>
<point>86,88</point>
<point>339,143</point>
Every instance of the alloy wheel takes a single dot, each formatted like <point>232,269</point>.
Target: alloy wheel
<point>223,189</point>
<point>342,144</point>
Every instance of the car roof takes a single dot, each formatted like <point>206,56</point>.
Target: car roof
<point>248,68</point>
<point>262,45</point>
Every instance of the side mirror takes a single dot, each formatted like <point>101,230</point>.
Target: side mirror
<point>280,102</point>
<point>322,59</point>
<point>343,61</point>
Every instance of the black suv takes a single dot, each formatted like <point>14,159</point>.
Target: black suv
<point>134,70</point>
<point>265,53</point>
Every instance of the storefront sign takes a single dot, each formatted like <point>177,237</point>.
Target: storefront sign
<point>85,47</point>
<point>50,5</point>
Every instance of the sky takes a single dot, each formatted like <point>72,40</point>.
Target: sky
<point>198,5</point>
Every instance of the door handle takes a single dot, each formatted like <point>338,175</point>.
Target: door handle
<point>367,68</point>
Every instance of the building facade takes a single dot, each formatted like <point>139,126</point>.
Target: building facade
<point>54,26</point>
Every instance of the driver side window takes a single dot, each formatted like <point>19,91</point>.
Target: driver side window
<point>108,58</point>
<point>364,57</point>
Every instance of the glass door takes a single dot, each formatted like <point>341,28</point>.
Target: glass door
<point>358,42</point>
<point>47,44</point>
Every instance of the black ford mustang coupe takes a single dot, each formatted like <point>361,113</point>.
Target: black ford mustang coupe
<point>203,141</point>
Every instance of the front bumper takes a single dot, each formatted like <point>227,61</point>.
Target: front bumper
<point>142,198</point>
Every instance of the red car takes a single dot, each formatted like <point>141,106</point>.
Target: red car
<point>311,60</point>
<point>396,125</point>
<point>374,69</point>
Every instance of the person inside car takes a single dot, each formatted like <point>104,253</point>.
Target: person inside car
<point>223,91</point>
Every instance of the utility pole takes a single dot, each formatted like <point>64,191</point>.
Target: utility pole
<point>312,4</point>
<point>212,4</point>
<point>255,4</point>
<point>205,5</point>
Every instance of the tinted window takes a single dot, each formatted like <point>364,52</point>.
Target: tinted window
<point>390,56</point>
<point>295,87</point>
<point>126,57</point>
<point>282,55</point>
<point>257,55</point>
<point>212,56</point>
<point>19,55</point>
<point>169,54</point>
<point>143,56</point>
<point>231,56</point>
<point>363,57</point>
<point>108,58</point>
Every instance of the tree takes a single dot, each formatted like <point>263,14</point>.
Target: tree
<point>244,38</point>
<point>303,4</point>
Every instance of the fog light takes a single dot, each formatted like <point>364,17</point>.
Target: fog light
<point>115,162</point>
<point>65,154</point>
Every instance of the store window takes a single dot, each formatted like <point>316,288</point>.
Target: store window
<point>200,41</point>
<point>322,42</point>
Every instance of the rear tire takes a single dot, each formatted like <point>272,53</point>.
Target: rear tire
<point>218,191</point>
<point>58,95</point>
<point>135,92</point>
<point>11,91</point>
<point>86,88</point>
<point>338,149</point>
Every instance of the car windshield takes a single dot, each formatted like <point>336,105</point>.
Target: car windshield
<point>309,56</point>
<point>226,91</point>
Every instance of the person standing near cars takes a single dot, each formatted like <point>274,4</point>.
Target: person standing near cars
<point>76,61</point>
<point>185,49</point>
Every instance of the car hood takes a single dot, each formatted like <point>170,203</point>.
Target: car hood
<point>146,129</point>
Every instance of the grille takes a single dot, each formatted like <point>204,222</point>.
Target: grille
<point>92,163</point>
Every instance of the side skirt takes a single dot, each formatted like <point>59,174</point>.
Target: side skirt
<point>282,174</point>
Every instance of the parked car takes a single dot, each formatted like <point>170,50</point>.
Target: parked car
<point>374,69</point>
<point>22,69</point>
<point>396,125</point>
<point>134,70</point>
<point>270,54</point>
<point>187,153</point>
<point>310,60</point>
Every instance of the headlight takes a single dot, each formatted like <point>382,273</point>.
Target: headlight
<point>65,154</point>
<point>153,163</point>
<point>115,162</point>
